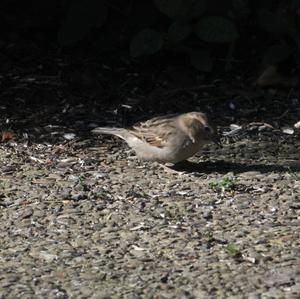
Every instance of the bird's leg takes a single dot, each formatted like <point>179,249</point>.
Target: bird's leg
<point>168,168</point>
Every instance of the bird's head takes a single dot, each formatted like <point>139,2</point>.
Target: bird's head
<point>198,127</point>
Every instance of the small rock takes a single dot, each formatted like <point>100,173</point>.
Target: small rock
<point>288,130</point>
<point>69,136</point>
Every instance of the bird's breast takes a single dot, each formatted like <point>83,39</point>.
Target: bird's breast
<point>174,151</point>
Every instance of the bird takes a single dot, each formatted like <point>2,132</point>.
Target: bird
<point>167,139</point>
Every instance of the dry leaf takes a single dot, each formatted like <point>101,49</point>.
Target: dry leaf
<point>271,77</point>
<point>6,136</point>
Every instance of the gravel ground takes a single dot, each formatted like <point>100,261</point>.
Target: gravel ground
<point>86,219</point>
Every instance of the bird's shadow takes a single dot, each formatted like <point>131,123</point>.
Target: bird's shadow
<point>224,167</point>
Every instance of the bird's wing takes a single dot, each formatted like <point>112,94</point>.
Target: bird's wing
<point>155,132</point>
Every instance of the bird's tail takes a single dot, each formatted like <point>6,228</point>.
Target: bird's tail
<point>112,131</point>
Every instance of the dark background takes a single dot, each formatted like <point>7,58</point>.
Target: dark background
<point>86,63</point>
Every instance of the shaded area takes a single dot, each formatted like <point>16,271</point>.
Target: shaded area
<point>225,167</point>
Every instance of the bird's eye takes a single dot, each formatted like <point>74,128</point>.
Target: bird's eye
<point>207,129</point>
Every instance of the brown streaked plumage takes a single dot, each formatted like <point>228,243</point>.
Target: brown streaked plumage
<point>171,138</point>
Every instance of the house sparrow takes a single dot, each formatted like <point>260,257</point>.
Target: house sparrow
<point>166,139</point>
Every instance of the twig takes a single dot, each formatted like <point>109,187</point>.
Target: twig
<point>182,89</point>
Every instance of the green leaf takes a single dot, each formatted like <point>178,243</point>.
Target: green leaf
<point>80,18</point>
<point>276,53</point>
<point>201,60</point>
<point>178,32</point>
<point>273,23</point>
<point>146,42</point>
<point>241,8</point>
<point>171,8</point>
<point>216,30</point>
<point>233,250</point>
<point>196,9</point>
<point>181,9</point>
